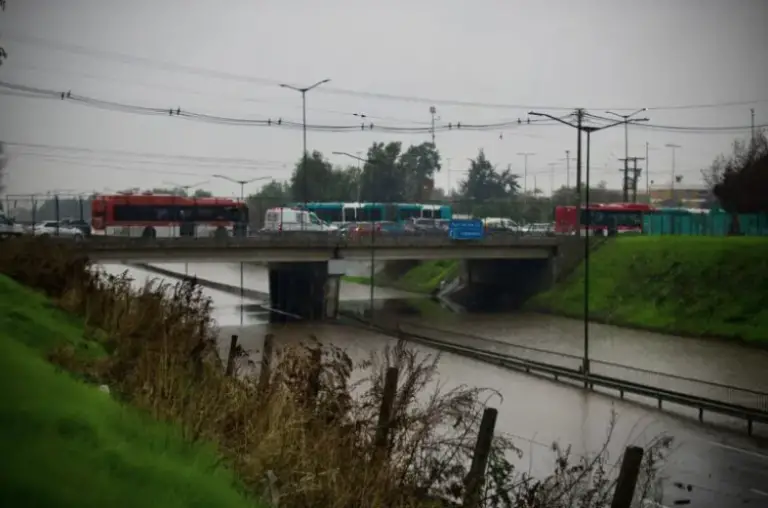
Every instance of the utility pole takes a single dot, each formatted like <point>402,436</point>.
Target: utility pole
<point>303,92</point>
<point>433,112</point>
<point>525,156</point>
<point>674,148</point>
<point>626,146</point>
<point>647,174</point>
<point>579,126</point>
<point>552,166</point>
<point>628,179</point>
<point>752,114</point>
<point>448,173</point>
<point>567,160</point>
<point>579,129</point>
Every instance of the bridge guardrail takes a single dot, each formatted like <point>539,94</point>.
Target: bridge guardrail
<point>728,394</point>
<point>750,415</point>
<point>309,240</point>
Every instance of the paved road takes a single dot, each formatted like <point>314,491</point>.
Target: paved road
<point>724,469</point>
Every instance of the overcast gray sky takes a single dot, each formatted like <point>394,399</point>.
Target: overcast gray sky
<point>546,54</point>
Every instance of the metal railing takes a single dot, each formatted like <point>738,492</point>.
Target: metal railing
<point>729,394</point>
<point>55,207</point>
<point>750,414</point>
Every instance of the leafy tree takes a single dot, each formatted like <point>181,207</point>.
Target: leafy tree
<point>3,54</point>
<point>202,193</point>
<point>3,163</point>
<point>383,178</point>
<point>487,192</point>
<point>419,164</point>
<point>346,184</point>
<point>484,182</point>
<point>741,180</point>
<point>317,178</point>
<point>173,191</point>
<point>278,191</point>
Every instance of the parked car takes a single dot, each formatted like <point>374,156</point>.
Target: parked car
<point>501,225</point>
<point>277,220</point>
<point>80,224</point>
<point>428,226</point>
<point>540,229</point>
<point>383,228</point>
<point>54,228</point>
<point>9,227</point>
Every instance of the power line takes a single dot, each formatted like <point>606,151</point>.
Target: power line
<point>123,168</point>
<point>127,153</point>
<point>80,158</point>
<point>211,73</point>
<point>40,93</point>
<point>176,111</point>
<point>183,90</point>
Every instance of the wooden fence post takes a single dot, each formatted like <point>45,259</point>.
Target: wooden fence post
<point>232,355</point>
<point>630,470</point>
<point>475,477</point>
<point>266,361</point>
<point>316,368</point>
<point>385,412</point>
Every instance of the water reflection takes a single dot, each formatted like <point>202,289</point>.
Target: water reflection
<point>537,411</point>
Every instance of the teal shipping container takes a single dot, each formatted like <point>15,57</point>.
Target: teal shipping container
<point>682,221</point>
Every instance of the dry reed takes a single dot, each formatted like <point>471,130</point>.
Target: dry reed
<point>305,438</point>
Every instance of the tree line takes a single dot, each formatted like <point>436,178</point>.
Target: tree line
<point>390,173</point>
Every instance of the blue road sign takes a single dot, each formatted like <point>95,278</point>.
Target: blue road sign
<point>466,229</point>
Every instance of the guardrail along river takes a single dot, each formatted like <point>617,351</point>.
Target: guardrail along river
<point>724,468</point>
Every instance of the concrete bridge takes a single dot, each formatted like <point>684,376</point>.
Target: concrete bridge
<point>304,268</point>
<point>310,247</point>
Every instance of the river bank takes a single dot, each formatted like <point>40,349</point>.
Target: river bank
<point>419,277</point>
<point>678,285</point>
<point>295,426</point>
<point>57,430</point>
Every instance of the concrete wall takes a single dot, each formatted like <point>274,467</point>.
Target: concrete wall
<point>503,284</point>
<point>297,291</point>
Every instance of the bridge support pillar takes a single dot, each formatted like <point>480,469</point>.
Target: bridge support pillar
<point>303,291</point>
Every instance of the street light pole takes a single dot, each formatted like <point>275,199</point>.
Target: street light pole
<point>525,156</point>
<point>588,219</point>
<point>303,91</point>
<point>373,228</point>
<point>242,184</point>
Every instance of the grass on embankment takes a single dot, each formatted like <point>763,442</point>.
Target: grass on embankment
<point>423,278</point>
<point>65,443</point>
<point>685,285</point>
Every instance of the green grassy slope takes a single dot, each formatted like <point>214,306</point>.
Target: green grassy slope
<point>64,443</point>
<point>422,278</point>
<point>698,286</point>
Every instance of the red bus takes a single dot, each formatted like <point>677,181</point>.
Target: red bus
<point>604,219</point>
<point>151,215</point>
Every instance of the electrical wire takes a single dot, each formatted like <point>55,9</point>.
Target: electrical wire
<point>35,92</point>
<point>87,164</point>
<point>177,89</point>
<point>80,158</point>
<point>174,67</point>
<point>178,112</point>
<point>127,153</point>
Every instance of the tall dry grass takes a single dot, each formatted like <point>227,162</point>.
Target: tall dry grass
<point>305,437</point>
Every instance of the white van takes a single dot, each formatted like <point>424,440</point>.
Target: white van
<point>294,219</point>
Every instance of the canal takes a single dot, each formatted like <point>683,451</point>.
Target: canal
<point>724,468</point>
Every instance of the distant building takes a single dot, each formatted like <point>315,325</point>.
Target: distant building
<point>683,195</point>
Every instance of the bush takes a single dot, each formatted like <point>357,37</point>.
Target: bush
<point>302,437</point>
